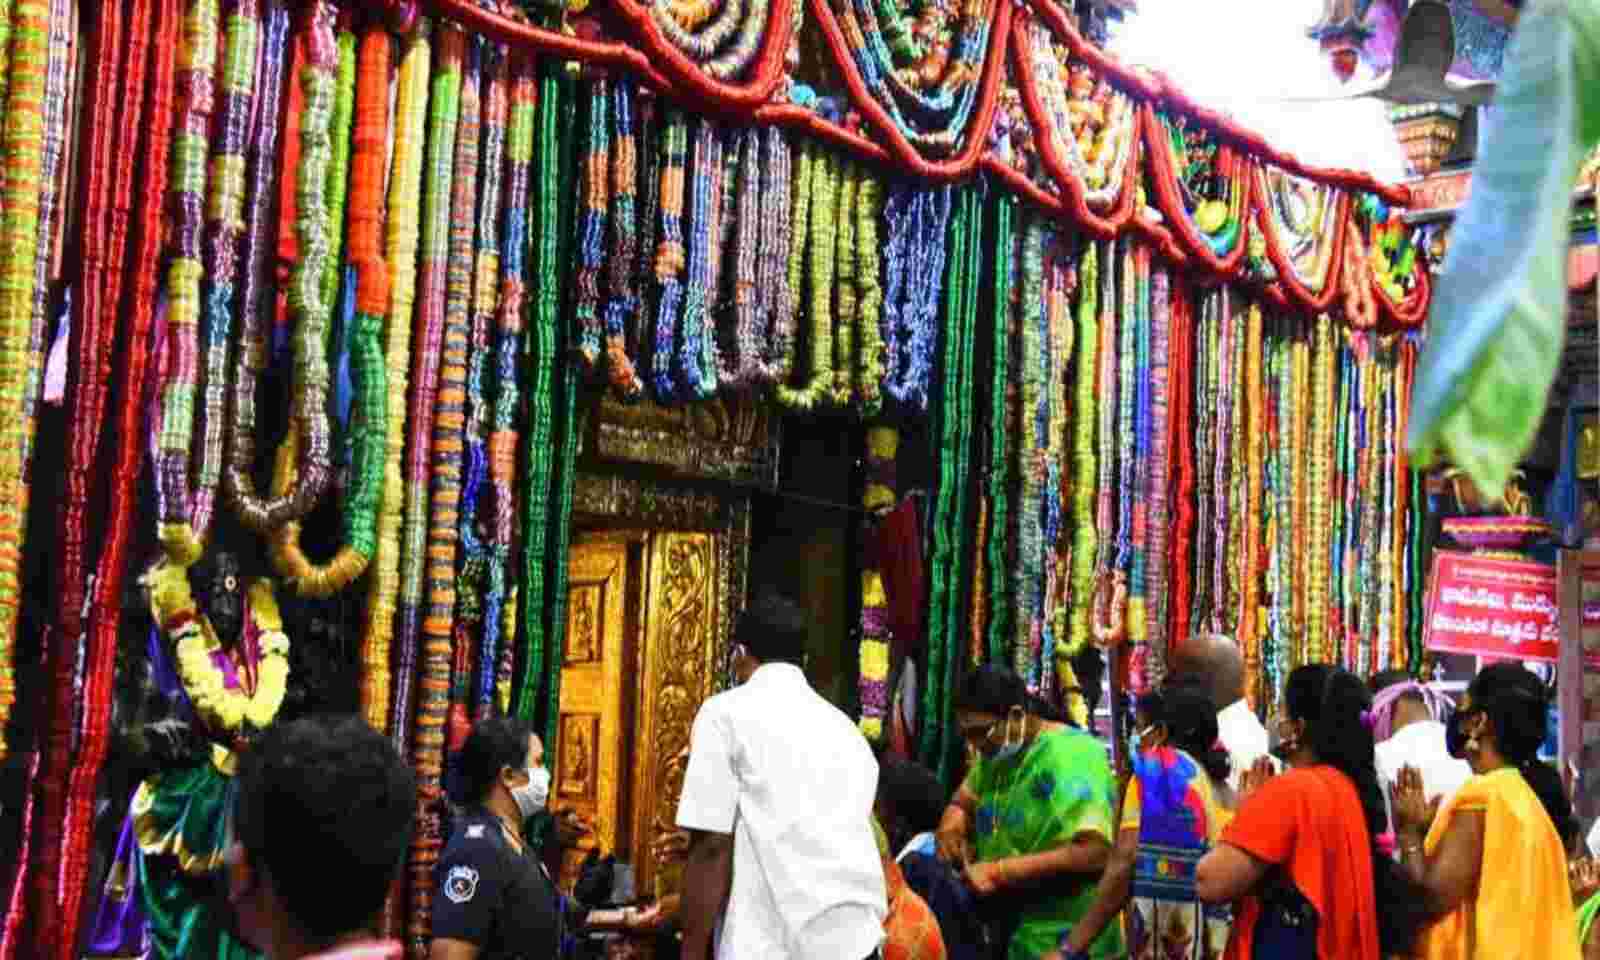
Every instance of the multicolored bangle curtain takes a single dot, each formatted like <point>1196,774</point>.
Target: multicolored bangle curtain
<point>1153,372</point>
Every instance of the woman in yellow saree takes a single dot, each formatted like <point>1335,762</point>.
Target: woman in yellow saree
<point>1492,864</point>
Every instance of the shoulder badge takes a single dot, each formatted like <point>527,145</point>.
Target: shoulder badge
<point>475,831</point>
<point>461,884</point>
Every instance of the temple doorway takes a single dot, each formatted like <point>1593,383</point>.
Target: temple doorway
<point>641,654</point>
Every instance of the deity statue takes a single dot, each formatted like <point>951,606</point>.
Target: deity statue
<point>223,653</point>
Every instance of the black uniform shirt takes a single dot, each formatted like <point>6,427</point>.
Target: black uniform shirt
<point>489,894</point>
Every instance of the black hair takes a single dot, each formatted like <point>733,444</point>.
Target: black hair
<point>772,629</point>
<point>1152,705</point>
<point>1518,705</point>
<point>1388,678</point>
<point>1331,703</point>
<point>991,689</point>
<point>1191,721</point>
<point>494,744</point>
<point>913,792</point>
<point>325,804</point>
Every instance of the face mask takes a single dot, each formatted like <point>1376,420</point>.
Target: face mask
<point>1136,740</point>
<point>532,796</point>
<point>1010,748</point>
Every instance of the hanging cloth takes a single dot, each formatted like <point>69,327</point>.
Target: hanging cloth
<point>895,550</point>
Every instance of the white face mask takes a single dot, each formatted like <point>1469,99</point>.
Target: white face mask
<point>532,796</point>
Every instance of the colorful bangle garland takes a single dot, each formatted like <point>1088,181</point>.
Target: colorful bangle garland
<point>592,223</point>
<point>1254,520</point>
<point>671,256</point>
<point>180,523</point>
<point>820,221</point>
<point>844,289</point>
<point>1159,477</point>
<point>1002,474</point>
<point>52,860</point>
<point>914,262</point>
<point>19,243</point>
<point>476,631</point>
<point>444,105</point>
<point>318,247</point>
<point>309,405</point>
<point>623,303</point>
<point>447,418</point>
<point>500,604</point>
<point>739,348</point>
<point>400,255</point>
<point>697,331</point>
<point>1060,281</point>
<point>568,425</point>
<point>1085,537</point>
<point>544,342</point>
<point>1030,534</point>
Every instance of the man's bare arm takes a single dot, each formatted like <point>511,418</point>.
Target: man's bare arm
<point>707,877</point>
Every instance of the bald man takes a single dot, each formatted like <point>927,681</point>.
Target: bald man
<point>1213,663</point>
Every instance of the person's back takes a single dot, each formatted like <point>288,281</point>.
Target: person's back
<point>1308,823</point>
<point>1407,723</point>
<point>806,784</point>
<point>1521,906</point>
<point>792,781</point>
<point>1421,744</point>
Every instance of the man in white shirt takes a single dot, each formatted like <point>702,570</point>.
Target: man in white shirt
<point>778,800</point>
<point>1212,663</point>
<point>1408,725</point>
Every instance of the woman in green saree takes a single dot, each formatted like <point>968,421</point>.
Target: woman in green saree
<point>1031,827</point>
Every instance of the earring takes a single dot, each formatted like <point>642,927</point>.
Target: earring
<point>1472,742</point>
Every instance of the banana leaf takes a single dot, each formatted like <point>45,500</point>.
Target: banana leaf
<point>1499,316</point>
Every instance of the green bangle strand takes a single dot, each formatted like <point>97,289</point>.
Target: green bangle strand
<point>567,422</point>
<point>1001,462</point>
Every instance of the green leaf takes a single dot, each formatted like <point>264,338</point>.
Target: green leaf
<point>1499,317</point>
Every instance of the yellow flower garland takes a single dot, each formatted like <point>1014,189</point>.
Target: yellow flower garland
<point>222,709</point>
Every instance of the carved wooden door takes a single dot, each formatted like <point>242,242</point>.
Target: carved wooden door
<point>640,656</point>
<point>590,756</point>
<point>677,672</point>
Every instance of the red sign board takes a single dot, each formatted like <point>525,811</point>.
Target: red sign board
<point>1442,191</point>
<point>1492,608</point>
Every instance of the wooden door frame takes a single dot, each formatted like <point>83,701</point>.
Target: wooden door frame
<point>636,509</point>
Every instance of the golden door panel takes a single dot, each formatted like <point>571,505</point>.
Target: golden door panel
<point>589,753</point>
<point>677,670</point>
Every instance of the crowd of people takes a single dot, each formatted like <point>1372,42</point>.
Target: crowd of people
<point>1360,823</point>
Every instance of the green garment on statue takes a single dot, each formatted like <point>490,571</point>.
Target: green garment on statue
<point>181,824</point>
<point>1059,789</point>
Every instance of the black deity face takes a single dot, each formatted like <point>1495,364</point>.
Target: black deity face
<point>220,590</point>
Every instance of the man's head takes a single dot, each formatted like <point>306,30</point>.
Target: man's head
<point>770,630</point>
<point>502,768</point>
<point>1213,663</point>
<point>910,800</point>
<point>1397,702</point>
<point>321,823</point>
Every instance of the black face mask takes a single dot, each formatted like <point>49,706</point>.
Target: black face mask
<point>1455,733</point>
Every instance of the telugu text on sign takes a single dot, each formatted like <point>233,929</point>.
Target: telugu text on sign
<point>1489,607</point>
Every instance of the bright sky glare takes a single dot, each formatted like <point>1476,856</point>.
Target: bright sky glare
<point>1243,57</point>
